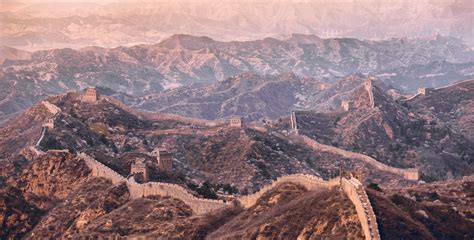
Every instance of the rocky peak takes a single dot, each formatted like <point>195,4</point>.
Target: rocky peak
<point>187,42</point>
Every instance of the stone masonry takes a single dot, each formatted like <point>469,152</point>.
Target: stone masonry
<point>235,122</point>
<point>140,167</point>
<point>164,159</point>
<point>90,95</point>
<point>347,105</point>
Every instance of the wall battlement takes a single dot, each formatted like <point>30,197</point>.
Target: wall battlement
<point>53,109</point>
<point>356,193</point>
<point>137,190</point>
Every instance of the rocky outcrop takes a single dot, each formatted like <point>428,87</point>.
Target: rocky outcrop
<point>290,211</point>
<point>94,198</point>
<point>54,175</point>
<point>17,215</point>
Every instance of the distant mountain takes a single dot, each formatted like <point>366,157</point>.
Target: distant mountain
<point>250,95</point>
<point>34,25</point>
<point>13,54</point>
<point>435,74</point>
<point>183,60</point>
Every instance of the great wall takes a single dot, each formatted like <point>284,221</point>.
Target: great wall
<point>351,187</point>
<point>409,174</point>
<point>368,87</point>
<point>422,91</point>
<point>138,190</point>
<point>356,193</point>
<point>165,116</point>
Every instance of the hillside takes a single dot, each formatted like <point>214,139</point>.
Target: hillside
<point>401,134</point>
<point>249,95</point>
<point>292,212</point>
<point>451,105</point>
<point>55,193</point>
<point>426,211</point>
<point>245,157</point>
<point>252,96</point>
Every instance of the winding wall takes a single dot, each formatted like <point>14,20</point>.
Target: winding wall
<point>137,190</point>
<point>43,132</point>
<point>371,96</point>
<point>310,182</point>
<point>166,116</point>
<point>351,187</point>
<point>410,174</point>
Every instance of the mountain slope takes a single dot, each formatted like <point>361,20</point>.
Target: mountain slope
<point>184,60</point>
<point>400,134</point>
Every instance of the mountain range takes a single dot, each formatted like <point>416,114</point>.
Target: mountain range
<point>192,62</point>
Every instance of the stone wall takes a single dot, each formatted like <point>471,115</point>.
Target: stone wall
<point>310,182</point>
<point>167,116</point>
<point>410,174</point>
<point>356,193</point>
<point>351,187</point>
<point>43,132</point>
<point>137,190</point>
<point>53,109</point>
<point>368,87</point>
<point>100,170</point>
<point>293,122</point>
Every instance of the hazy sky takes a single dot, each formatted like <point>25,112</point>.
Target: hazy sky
<point>128,22</point>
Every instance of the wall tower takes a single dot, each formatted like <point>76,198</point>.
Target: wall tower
<point>164,159</point>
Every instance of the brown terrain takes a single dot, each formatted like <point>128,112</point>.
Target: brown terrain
<point>243,157</point>
<point>431,132</point>
<point>426,211</point>
<point>55,195</point>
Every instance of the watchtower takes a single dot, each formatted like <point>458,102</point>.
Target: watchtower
<point>90,95</point>
<point>235,122</point>
<point>411,174</point>
<point>424,91</point>
<point>49,124</point>
<point>368,84</point>
<point>359,174</point>
<point>164,159</point>
<point>348,105</point>
<point>140,167</point>
<point>293,123</point>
